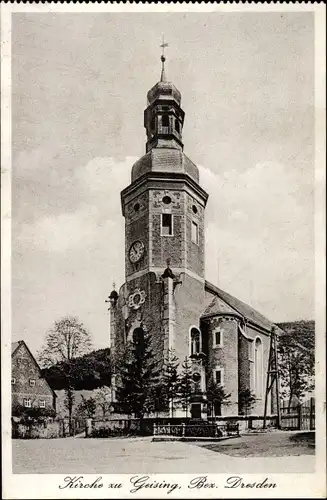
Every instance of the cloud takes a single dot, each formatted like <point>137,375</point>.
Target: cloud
<point>61,232</point>
<point>259,238</point>
<point>97,212</point>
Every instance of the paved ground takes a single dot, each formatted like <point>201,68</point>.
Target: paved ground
<point>275,444</point>
<point>141,455</point>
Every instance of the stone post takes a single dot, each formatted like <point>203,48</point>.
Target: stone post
<point>299,409</point>
<point>88,427</point>
<point>312,410</point>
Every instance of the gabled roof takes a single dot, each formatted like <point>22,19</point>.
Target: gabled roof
<point>14,347</point>
<point>236,305</point>
<point>217,306</point>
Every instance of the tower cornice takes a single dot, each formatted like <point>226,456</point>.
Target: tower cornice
<point>153,180</point>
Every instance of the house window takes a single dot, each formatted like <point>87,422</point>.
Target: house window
<point>219,375</point>
<point>195,341</point>
<point>258,368</point>
<point>165,121</point>
<point>32,382</point>
<point>166,224</point>
<point>195,233</point>
<point>42,403</point>
<point>27,403</point>
<point>13,381</point>
<point>218,338</point>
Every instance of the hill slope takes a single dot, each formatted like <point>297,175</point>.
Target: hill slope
<point>87,372</point>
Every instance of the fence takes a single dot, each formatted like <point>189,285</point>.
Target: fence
<point>299,417</point>
<point>196,430</point>
<point>246,423</point>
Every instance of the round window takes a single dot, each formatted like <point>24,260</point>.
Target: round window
<point>137,207</point>
<point>196,377</point>
<point>195,210</point>
<point>137,299</point>
<point>166,200</point>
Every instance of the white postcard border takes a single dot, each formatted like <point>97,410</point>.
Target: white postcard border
<point>47,486</point>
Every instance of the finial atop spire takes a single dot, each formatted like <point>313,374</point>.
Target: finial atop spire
<point>163,59</point>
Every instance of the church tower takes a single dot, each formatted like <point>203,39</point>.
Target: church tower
<point>164,208</point>
<point>164,204</point>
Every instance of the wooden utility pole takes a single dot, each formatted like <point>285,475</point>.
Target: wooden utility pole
<point>272,377</point>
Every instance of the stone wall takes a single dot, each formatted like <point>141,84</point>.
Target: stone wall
<point>248,377</point>
<point>47,430</point>
<point>195,255</point>
<point>137,228</point>
<point>189,304</point>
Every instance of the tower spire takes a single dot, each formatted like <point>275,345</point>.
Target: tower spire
<point>163,59</point>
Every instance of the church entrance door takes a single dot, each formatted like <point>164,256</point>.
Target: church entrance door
<point>196,410</point>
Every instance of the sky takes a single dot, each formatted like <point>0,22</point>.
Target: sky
<point>79,84</point>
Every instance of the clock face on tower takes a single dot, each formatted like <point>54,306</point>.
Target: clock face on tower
<point>136,251</point>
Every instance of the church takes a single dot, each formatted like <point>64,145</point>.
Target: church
<point>165,289</point>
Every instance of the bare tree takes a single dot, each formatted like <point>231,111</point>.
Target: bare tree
<point>67,340</point>
<point>103,399</point>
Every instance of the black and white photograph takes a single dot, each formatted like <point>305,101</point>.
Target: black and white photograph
<point>162,197</point>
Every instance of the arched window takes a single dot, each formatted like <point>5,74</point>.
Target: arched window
<point>177,127</point>
<point>195,341</point>
<point>165,121</point>
<point>258,367</point>
<point>153,124</point>
<point>138,335</point>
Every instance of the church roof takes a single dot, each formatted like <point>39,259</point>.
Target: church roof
<point>165,160</point>
<point>217,306</point>
<point>164,90</point>
<point>232,304</point>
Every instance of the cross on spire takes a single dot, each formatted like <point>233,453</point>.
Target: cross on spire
<point>163,45</point>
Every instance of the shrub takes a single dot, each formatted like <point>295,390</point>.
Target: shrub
<point>104,432</point>
<point>32,415</point>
